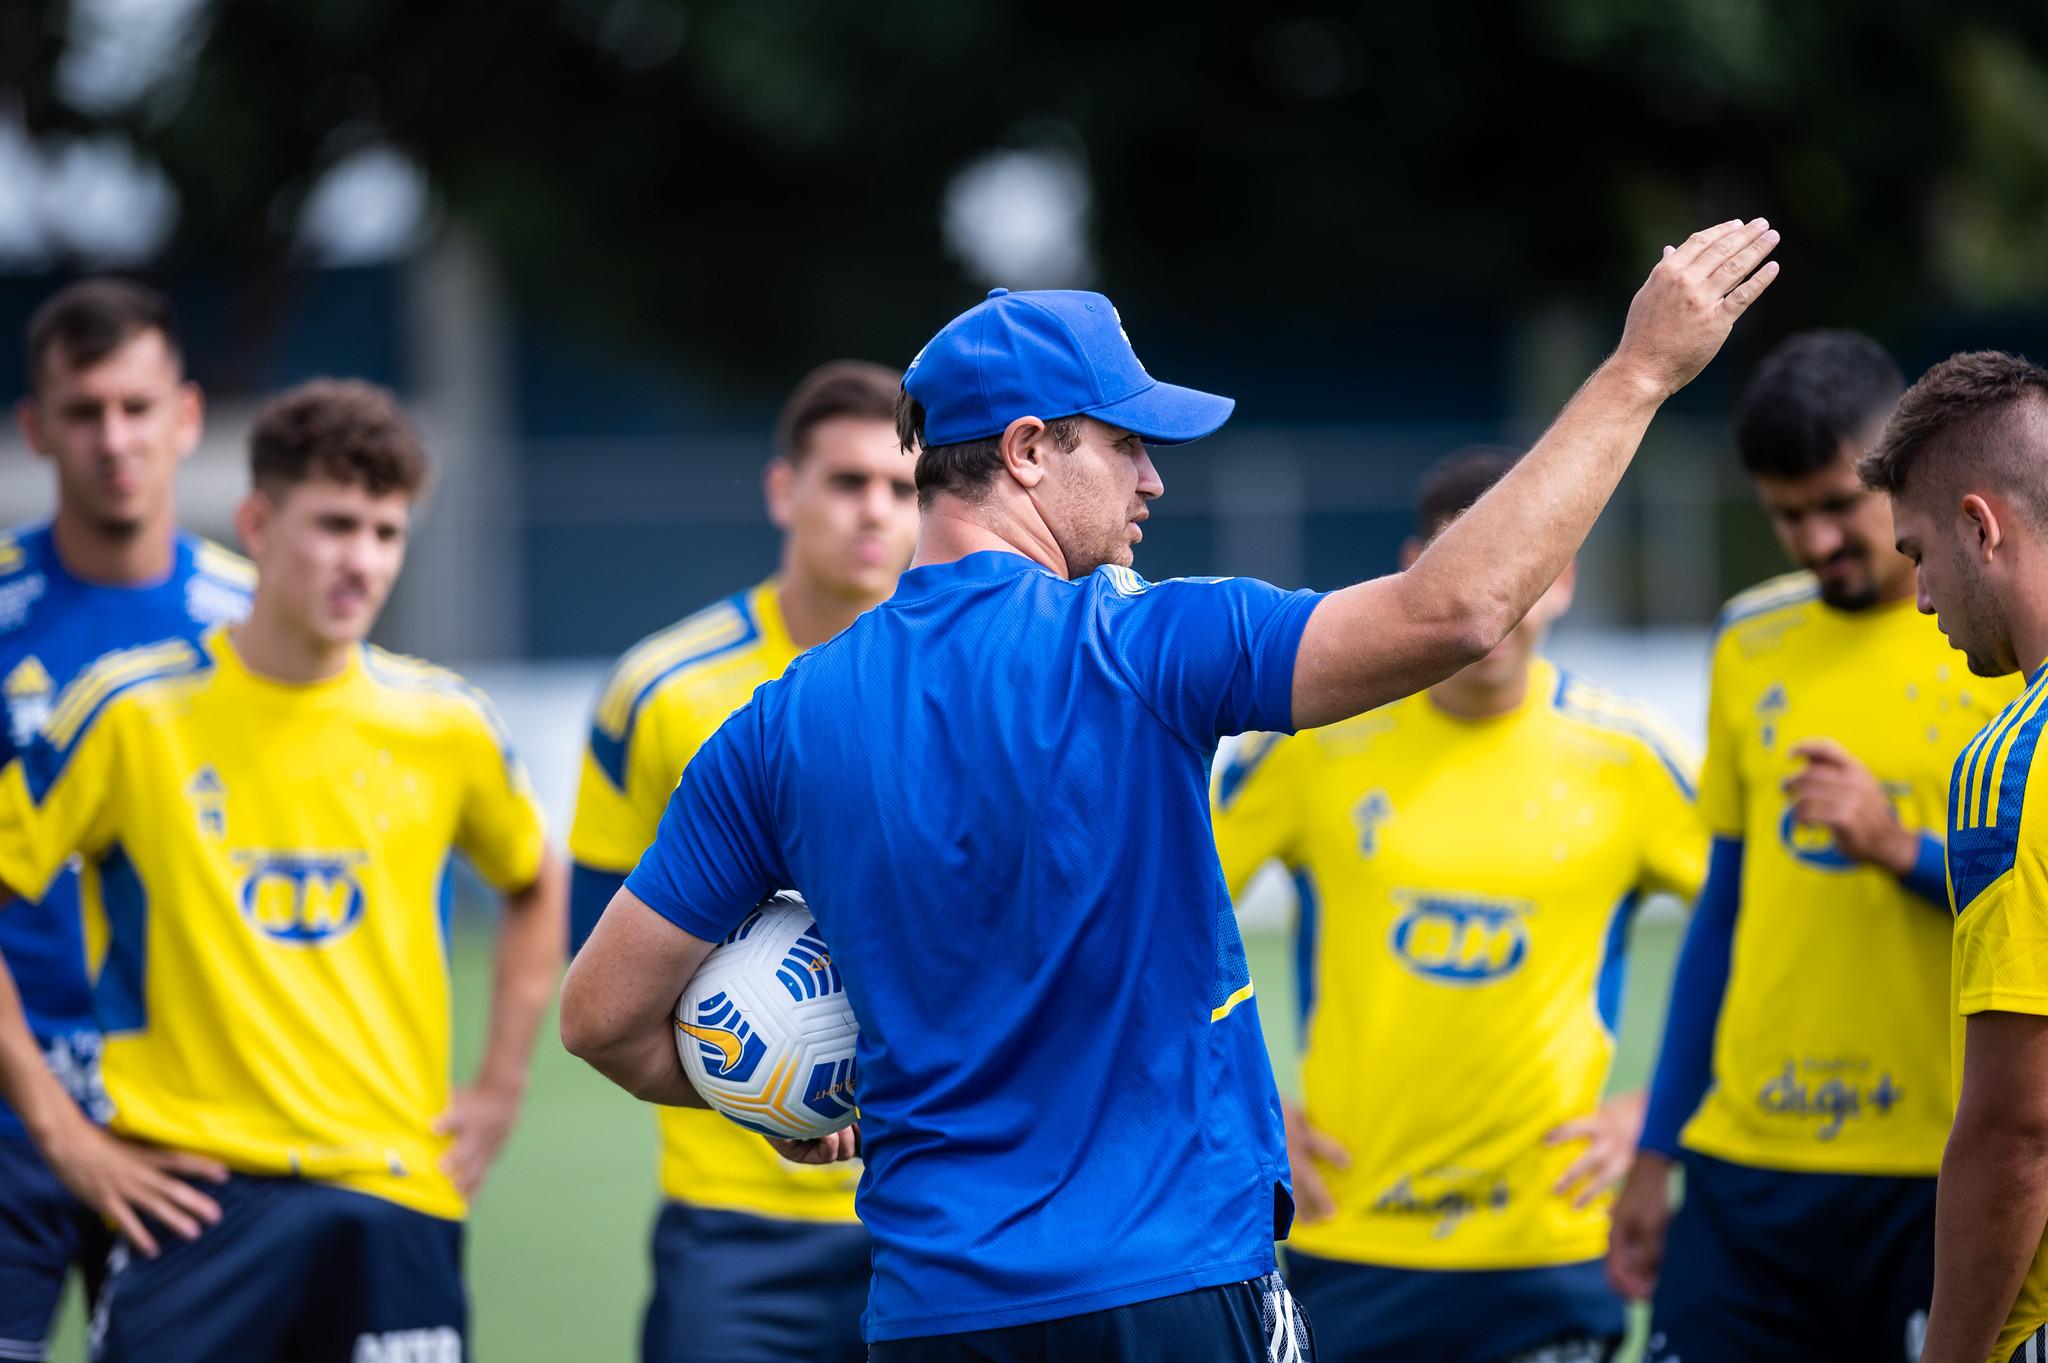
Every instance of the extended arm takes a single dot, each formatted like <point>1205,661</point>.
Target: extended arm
<point>618,1002</point>
<point>529,962</point>
<point>1993,1204</point>
<point>1380,640</point>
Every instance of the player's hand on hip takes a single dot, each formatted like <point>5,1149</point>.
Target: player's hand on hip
<point>1683,312</point>
<point>1836,792</point>
<point>1641,1216</point>
<point>1306,1149</point>
<point>131,1185</point>
<point>480,1118</point>
<point>843,1144</point>
<point>1610,1135</point>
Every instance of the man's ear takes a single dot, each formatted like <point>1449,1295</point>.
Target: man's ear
<point>29,417</point>
<point>778,484</point>
<point>1023,445</point>
<point>253,515</point>
<point>1990,534</point>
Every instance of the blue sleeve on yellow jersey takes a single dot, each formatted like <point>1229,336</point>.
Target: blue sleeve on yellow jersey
<point>1685,1063</point>
<point>1212,656</point>
<point>590,889</point>
<point>1929,876</point>
<point>715,855</point>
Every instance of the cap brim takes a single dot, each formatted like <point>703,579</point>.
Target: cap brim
<point>1168,414</point>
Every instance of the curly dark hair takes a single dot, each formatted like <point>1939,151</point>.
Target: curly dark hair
<point>342,429</point>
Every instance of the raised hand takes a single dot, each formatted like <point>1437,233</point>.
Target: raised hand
<point>1683,312</point>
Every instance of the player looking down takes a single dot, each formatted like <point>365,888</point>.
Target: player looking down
<point>1803,1079</point>
<point>776,1244</point>
<point>269,814</point>
<point>1965,460</point>
<point>1468,861</point>
<point>992,788</point>
<point>110,408</point>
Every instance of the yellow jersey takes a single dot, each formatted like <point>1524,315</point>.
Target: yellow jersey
<point>1998,884</point>
<point>266,871</point>
<point>1830,1054</point>
<point>1466,888</point>
<point>666,696</point>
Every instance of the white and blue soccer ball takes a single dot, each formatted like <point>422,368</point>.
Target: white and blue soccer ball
<point>764,1029</point>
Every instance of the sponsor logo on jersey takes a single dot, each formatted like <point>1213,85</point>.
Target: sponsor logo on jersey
<point>725,1039</point>
<point>29,691</point>
<point>1461,940</point>
<point>302,898</point>
<point>440,1344</point>
<point>1448,1196</point>
<point>1829,1092</point>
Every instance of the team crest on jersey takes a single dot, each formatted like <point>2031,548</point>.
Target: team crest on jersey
<point>1815,845</point>
<point>1371,812</point>
<point>725,1040</point>
<point>302,898</point>
<point>29,691</point>
<point>1468,940</point>
<point>209,801</point>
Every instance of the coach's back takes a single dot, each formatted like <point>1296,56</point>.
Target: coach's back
<point>992,789</point>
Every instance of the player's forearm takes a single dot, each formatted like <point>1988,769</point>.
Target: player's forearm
<point>1988,1222</point>
<point>531,935</point>
<point>47,1112</point>
<point>618,1002</point>
<point>1372,643</point>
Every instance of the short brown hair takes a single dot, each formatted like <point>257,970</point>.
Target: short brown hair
<point>837,388</point>
<point>341,429</point>
<point>1980,400</point>
<point>83,323</point>
<point>1450,486</point>
<point>966,469</point>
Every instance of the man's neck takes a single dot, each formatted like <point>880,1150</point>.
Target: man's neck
<point>2029,623</point>
<point>951,529</point>
<point>812,613</point>
<point>91,553</point>
<point>272,647</point>
<point>1464,697</point>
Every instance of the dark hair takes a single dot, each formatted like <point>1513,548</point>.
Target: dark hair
<point>1811,393</point>
<point>83,323</point>
<point>966,469</point>
<point>839,388</point>
<point>1984,395</point>
<point>343,429</point>
<point>1453,483</point>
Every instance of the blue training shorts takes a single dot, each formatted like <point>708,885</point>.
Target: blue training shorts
<point>296,1272</point>
<point>735,1288</point>
<point>44,1233</point>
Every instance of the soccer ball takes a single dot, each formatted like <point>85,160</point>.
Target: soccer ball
<point>764,1029</point>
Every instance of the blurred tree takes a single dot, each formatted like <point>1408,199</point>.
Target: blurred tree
<point>743,180</point>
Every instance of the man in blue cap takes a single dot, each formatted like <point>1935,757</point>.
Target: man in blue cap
<point>992,788</point>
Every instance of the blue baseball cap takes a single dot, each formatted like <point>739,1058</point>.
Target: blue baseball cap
<point>1048,353</point>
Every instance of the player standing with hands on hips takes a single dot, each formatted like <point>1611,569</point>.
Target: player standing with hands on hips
<point>999,816</point>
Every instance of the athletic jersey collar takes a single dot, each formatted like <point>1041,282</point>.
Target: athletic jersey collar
<point>44,539</point>
<point>764,603</point>
<point>220,643</point>
<point>984,565</point>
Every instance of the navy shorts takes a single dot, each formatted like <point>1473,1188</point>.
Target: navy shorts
<point>735,1288</point>
<point>44,1233</point>
<point>1368,1313</point>
<point>1762,1265</point>
<point>296,1272</point>
<point>1255,1321</point>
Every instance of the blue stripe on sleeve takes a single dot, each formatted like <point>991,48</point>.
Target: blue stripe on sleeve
<point>589,891</point>
<point>1685,1063</point>
<point>1929,876</point>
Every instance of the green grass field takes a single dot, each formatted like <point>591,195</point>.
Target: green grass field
<point>557,1246</point>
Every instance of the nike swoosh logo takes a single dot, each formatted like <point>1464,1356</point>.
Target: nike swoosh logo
<point>726,1043</point>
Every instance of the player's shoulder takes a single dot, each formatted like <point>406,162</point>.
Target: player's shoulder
<point>123,678</point>
<point>1998,795</point>
<point>666,666</point>
<point>1631,726</point>
<point>430,692</point>
<point>1767,607</point>
<point>21,549</point>
<point>220,565</point>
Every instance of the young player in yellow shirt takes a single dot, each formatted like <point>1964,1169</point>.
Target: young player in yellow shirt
<point>1468,862</point>
<point>775,1245</point>
<point>266,817</point>
<point>1803,1079</point>
<point>1965,460</point>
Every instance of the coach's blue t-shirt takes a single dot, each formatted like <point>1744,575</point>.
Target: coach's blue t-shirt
<point>992,789</point>
<point>51,626</point>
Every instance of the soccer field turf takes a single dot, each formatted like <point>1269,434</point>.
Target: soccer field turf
<point>557,1245</point>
